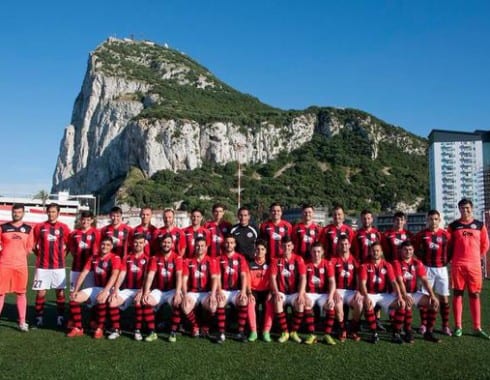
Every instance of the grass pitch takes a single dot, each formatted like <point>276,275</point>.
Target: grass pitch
<point>47,354</point>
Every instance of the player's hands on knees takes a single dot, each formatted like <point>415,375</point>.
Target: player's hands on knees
<point>242,298</point>
<point>336,297</point>
<point>409,301</point>
<point>368,304</point>
<point>434,302</point>
<point>330,304</point>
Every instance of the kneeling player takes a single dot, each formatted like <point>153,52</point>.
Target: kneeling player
<point>131,277</point>
<point>320,291</point>
<point>105,267</point>
<point>163,285</point>
<point>408,271</point>
<point>376,278</point>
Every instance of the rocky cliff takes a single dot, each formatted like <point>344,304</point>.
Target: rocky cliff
<point>150,107</point>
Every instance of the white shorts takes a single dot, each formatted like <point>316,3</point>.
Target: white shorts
<point>438,279</point>
<point>288,299</point>
<point>198,297</point>
<point>162,297</point>
<point>231,296</point>
<point>92,294</point>
<point>49,279</point>
<point>89,281</point>
<point>127,296</point>
<point>384,300</point>
<point>319,299</point>
<point>347,295</point>
<point>417,297</point>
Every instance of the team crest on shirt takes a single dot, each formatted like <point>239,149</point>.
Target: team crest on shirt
<point>383,271</point>
<point>281,229</point>
<point>439,239</point>
<point>204,267</point>
<point>322,270</point>
<point>373,236</point>
<point>276,236</point>
<point>134,268</point>
<point>56,232</point>
<point>350,266</point>
<point>433,246</point>
<point>143,261</point>
<point>312,232</point>
<point>291,266</point>
<point>473,225</point>
<point>105,264</point>
<point>249,234</point>
<point>235,263</point>
<point>22,229</point>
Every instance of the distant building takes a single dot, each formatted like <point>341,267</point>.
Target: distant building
<point>459,165</point>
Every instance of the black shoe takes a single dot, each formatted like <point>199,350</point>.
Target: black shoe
<point>396,338</point>
<point>374,338</point>
<point>430,337</point>
<point>409,337</point>
<point>379,326</point>
<point>240,337</point>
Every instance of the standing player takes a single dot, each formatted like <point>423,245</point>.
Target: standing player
<point>320,291</point>
<point>274,230</point>
<point>83,243</point>
<point>105,267</point>
<point>431,247</point>
<point>259,284</point>
<point>233,277</point>
<point>305,233</point>
<point>408,272</point>
<point>331,234</point>
<point>346,269</point>
<point>288,285</point>
<point>218,228</point>
<point>200,277</point>
<point>163,284</point>
<point>119,232</point>
<point>50,243</point>
<point>394,237</point>
<point>169,227</point>
<point>146,229</point>
<point>469,243</point>
<point>365,237</point>
<point>16,242</point>
<point>193,232</point>
<point>245,234</point>
<point>131,277</point>
<point>377,281</point>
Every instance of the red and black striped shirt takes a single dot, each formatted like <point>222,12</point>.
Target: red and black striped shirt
<point>50,242</point>
<point>432,247</point>
<point>102,267</point>
<point>199,273</point>
<point>363,241</point>
<point>345,272</point>
<point>82,245</point>
<point>121,237</point>
<point>165,268</point>
<point>217,233</point>
<point>288,272</point>
<point>317,276</point>
<point>135,268</point>
<point>231,267</point>
<point>378,277</point>
<point>273,233</point>
<point>303,237</point>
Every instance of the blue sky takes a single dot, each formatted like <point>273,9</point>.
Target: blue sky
<point>420,65</point>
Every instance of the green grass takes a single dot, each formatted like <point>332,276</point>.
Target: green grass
<point>46,353</point>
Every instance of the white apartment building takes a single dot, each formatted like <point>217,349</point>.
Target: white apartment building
<point>456,169</point>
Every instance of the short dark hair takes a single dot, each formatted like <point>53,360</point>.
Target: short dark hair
<point>261,242</point>
<point>116,210</point>
<point>274,204</point>
<point>243,208</point>
<point>107,238</point>
<point>219,205</point>
<point>138,236</point>
<point>17,206</point>
<point>306,205</point>
<point>86,214</point>
<point>165,236</point>
<point>400,214</point>
<point>464,202</point>
<point>286,239</point>
<point>406,243</point>
<point>365,212</point>
<point>53,205</point>
<point>433,212</point>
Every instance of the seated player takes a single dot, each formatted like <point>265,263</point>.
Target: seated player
<point>163,285</point>
<point>408,272</point>
<point>105,267</point>
<point>288,283</point>
<point>200,278</point>
<point>131,277</point>
<point>346,269</point>
<point>233,275</point>
<point>320,291</point>
<point>375,280</point>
